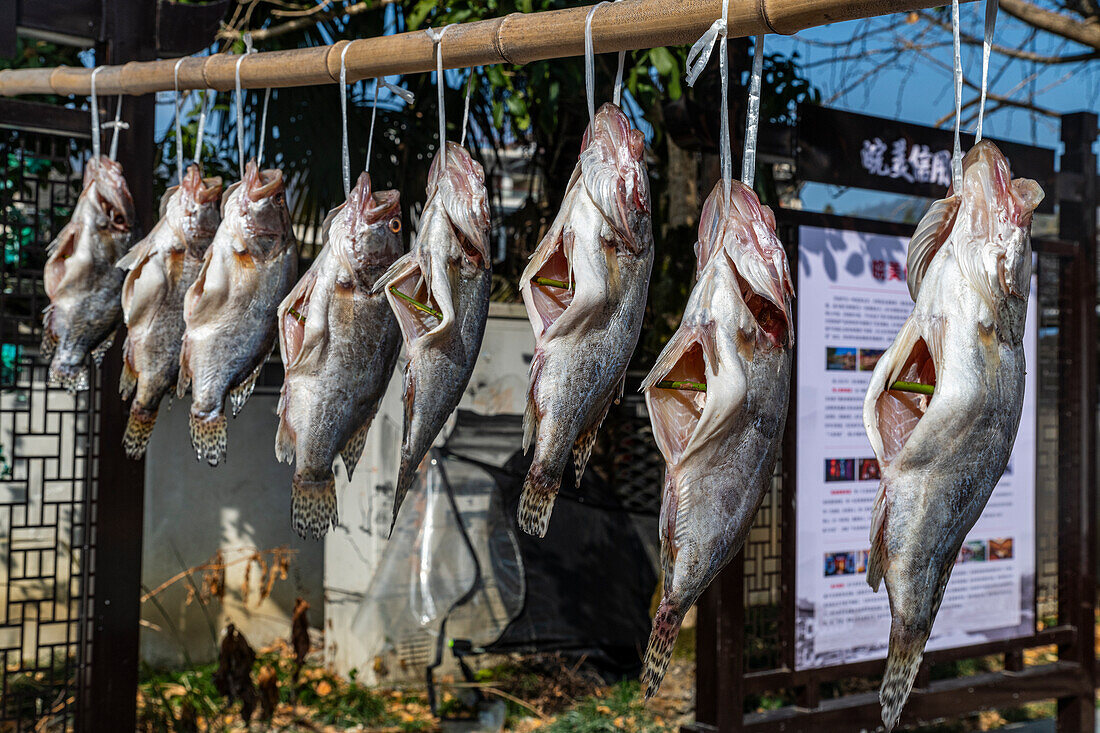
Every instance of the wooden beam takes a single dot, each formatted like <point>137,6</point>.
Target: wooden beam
<point>517,38</point>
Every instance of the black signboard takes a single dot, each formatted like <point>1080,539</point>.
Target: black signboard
<point>849,149</point>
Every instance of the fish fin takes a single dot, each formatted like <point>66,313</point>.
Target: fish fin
<point>72,379</point>
<point>127,380</point>
<point>313,507</point>
<point>540,488</point>
<point>531,410</point>
<point>931,232</point>
<point>667,527</point>
<point>59,251</point>
<point>128,260</point>
<point>208,437</point>
<point>284,436</point>
<point>49,336</point>
<point>240,394</point>
<point>139,428</point>
<point>877,559</point>
<point>906,653</point>
<point>184,379</point>
<point>145,285</point>
<point>353,449</point>
<point>582,447</point>
<point>662,639</point>
<point>104,346</point>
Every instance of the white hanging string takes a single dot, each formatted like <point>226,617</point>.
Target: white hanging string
<point>466,107</point>
<point>590,62</point>
<point>697,60</point>
<point>619,78</point>
<point>437,38</point>
<point>179,132</point>
<point>752,119</point>
<point>346,159</point>
<point>405,94</point>
<point>987,45</point>
<point>956,153</point>
<point>117,125</point>
<point>95,117</point>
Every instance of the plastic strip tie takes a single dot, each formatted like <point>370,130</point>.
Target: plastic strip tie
<point>956,152</point>
<point>752,117</point>
<point>590,61</point>
<point>991,7</point>
<point>179,131</point>
<point>95,117</point>
<point>437,38</point>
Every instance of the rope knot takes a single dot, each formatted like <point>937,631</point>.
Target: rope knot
<point>700,52</point>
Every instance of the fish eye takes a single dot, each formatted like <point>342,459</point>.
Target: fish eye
<point>395,225</point>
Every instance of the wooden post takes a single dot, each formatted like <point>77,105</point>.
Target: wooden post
<point>121,482</point>
<point>1077,419</point>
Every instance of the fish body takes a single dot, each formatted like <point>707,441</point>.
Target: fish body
<point>81,279</point>
<point>720,445</point>
<point>339,344</point>
<point>230,310</point>
<point>439,292</point>
<point>600,247</point>
<point>940,457</point>
<point>159,270</point>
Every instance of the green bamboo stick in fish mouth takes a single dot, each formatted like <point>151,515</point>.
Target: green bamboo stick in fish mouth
<point>416,303</point>
<point>552,283</point>
<point>682,384</point>
<point>916,387</point>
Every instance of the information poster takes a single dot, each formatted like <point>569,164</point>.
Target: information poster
<point>852,299</point>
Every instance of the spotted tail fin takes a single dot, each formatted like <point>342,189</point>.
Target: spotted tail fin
<point>666,627</point>
<point>208,437</point>
<point>906,652</point>
<point>139,429</point>
<point>313,506</point>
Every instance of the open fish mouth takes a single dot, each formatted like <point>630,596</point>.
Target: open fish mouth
<point>261,184</point>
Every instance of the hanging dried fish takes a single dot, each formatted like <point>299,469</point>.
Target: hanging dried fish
<point>941,455</point>
<point>598,254</point>
<point>339,343</point>
<point>718,401</point>
<point>231,309</point>
<point>81,279</point>
<point>159,270</point>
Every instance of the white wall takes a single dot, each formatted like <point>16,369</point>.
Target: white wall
<point>352,551</point>
<point>192,510</point>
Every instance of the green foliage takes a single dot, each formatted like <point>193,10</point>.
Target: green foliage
<point>620,709</point>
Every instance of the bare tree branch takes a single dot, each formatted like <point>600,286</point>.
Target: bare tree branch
<point>232,34</point>
<point>1086,32</point>
<point>1016,53</point>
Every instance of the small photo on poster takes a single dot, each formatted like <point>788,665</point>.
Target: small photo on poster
<point>841,358</point>
<point>862,558</point>
<point>840,469</point>
<point>973,551</point>
<point>1001,549</point>
<point>868,358</point>
<point>868,469</point>
<point>840,563</point>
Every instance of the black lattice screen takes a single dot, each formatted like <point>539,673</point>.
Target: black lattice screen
<point>47,449</point>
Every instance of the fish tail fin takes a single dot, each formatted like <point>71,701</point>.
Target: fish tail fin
<point>906,652</point>
<point>208,437</point>
<point>537,500</point>
<point>313,506</point>
<point>138,430</point>
<point>405,477</point>
<point>72,377</point>
<point>666,627</point>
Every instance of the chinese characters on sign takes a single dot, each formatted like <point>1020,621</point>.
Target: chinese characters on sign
<point>915,164</point>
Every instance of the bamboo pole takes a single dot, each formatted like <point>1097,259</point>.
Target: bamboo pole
<point>517,38</point>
